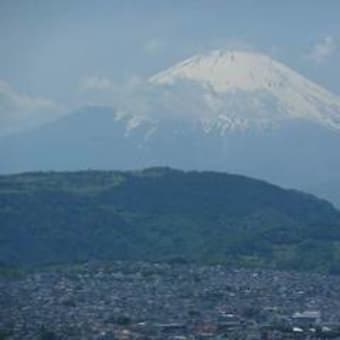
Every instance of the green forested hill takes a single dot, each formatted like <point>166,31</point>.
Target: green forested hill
<point>163,214</point>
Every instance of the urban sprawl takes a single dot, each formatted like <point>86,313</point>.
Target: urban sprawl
<point>168,301</point>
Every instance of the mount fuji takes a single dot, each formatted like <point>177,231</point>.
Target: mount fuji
<point>241,89</point>
<point>234,111</point>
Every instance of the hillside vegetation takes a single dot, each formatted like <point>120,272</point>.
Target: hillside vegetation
<point>161,214</point>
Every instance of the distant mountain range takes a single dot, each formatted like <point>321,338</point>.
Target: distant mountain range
<point>234,111</point>
<point>161,214</point>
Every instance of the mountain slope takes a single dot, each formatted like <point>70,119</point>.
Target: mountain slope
<point>274,91</point>
<point>95,139</point>
<point>162,214</point>
<point>231,111</point>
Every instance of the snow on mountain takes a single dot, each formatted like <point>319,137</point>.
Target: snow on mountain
<point>241,89</point>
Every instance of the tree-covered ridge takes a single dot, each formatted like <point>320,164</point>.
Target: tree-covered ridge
<point>164,214</point>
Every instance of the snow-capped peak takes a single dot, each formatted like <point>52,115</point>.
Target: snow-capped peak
<point>225,70</point>
<point>248,87</point>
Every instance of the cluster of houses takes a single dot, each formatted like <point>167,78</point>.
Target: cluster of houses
<point>168,301</point>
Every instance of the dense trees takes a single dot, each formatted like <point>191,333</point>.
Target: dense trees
<point>163,214</point>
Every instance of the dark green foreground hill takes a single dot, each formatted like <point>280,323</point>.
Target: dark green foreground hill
<point>161,214</point>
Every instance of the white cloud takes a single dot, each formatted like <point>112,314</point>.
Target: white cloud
<point>19,111</point>
<point>96,83</point>
<point>102,91</point>
<point>323,49</point>
<point>145,99</point>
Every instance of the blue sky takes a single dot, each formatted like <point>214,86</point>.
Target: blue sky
<point>50,48</point>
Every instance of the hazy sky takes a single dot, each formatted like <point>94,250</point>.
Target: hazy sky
<point>57,50</point>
